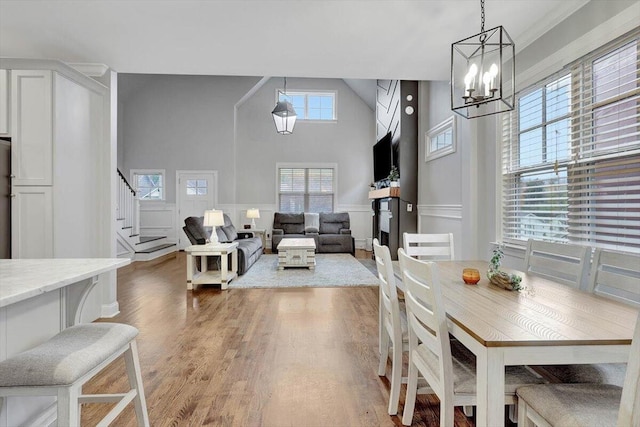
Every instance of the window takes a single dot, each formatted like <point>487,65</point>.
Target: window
<point>441,140</point>
<point>197,187</point>
<point>312,105</point>
<point>149,184</point>
<point>306,189</point>
<point>571,154</point>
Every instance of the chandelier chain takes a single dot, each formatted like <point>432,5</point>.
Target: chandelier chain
<point>482,16</point>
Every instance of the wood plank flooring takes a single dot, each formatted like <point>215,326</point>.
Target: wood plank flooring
<point>252,357</point>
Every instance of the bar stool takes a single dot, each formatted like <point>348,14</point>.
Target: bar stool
<point>60,366</point>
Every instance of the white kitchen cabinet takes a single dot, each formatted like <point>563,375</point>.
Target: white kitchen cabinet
<point>32,221</point>
<point>5,120</point>
<point>31,127</point>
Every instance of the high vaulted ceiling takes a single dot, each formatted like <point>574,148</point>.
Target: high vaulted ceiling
<point>353,39</point>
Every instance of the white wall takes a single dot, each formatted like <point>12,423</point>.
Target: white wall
<point>192,123</point>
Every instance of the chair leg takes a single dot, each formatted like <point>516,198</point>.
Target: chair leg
<point>384,353</point>
<point>523,419</point>
<point>68,414</point>
<point>410,399</point>
<point>135,382</point>
<point>396,378</point>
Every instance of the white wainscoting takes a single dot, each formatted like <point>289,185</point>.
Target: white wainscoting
<point>158,219</point>
<point>360,217</point>
<point>442,219</point>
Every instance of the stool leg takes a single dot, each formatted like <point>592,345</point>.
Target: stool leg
<point>68,413</point>
<point>135,382</point>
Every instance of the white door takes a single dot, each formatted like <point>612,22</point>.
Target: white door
<point>197,192</point>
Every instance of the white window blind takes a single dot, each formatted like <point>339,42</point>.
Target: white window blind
<point>306,189</point>
<point>571,154</point>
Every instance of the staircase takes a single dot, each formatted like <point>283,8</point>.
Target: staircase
<point>130,243</point>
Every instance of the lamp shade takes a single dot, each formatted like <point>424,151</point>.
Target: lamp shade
<point>213,218</point>
<point>284,117</point>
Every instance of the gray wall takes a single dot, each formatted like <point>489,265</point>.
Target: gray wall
<point>346,142</point>
<point>180,122</point>
<point>198,123</point>
<point>459,193</point>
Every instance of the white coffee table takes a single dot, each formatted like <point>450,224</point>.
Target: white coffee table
<point>297,253</point>
<point>223,276</point>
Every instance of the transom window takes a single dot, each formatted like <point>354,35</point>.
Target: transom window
<point>571,154</point>
<point>306,189</point>
<point>312,105</point>
<point>149,184</point>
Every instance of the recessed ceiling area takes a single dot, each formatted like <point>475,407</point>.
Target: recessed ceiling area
<point>351,39</point>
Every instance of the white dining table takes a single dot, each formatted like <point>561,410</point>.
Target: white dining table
<point>547,323</point>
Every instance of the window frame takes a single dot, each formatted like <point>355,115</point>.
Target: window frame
<point>306,93</point>
<point>580,168</point>
<point>307,166</point>
<point>433,133</point>
<point>133,173</point>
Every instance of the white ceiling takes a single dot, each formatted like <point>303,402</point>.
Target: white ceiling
<point>352,39</point>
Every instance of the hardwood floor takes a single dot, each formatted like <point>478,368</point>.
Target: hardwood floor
<point>252,357</point>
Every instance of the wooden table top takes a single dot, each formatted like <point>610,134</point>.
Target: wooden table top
<point>545,313</point>
<point>296,243</point>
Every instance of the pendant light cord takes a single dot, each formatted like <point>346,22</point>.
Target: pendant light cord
<point>482,16</point>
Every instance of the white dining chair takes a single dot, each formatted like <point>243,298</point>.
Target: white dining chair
<point>614,275</point>
<point>60,367</point>
<point>392,324</point>
<point>430,247</point>
<point>585,404</point>
<point>431,354</point>
<point>561,262</point>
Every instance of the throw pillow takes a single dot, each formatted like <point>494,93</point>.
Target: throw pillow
<point>311,222</point>
<point>231,232</point>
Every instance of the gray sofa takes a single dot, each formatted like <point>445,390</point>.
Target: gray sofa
<point>249,247</point>
<point>332,233</point>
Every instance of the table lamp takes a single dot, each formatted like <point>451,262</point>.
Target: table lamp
<point>213,218</point>
<point>253,214</point>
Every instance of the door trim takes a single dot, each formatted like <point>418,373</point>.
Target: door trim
<point>180,221</point>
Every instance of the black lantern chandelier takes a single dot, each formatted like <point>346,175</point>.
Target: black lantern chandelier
<point>284,116</point>
<point>483,72</point>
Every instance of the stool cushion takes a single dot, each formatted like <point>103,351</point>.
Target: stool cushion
<point>67,356</point>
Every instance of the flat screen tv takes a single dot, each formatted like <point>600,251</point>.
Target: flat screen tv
<point>382,158</point>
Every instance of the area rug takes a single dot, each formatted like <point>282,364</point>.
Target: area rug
<point>332,270</point>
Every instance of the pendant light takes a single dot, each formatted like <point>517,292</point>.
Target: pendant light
<point>483,72</point>
<point>284,116</point>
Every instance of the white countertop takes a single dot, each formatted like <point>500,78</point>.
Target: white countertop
<point>21,279</point>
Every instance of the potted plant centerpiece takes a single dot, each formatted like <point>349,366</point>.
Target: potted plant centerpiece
<point>394,176</point>
<point>511,282</point>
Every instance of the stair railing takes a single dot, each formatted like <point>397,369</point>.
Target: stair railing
<point>128,205</point>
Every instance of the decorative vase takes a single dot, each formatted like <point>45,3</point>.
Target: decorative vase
<point>470,276</point>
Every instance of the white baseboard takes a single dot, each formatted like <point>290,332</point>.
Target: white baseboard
<point>110,310</point>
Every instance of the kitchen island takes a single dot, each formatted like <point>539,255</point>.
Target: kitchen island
<point>38,299</point>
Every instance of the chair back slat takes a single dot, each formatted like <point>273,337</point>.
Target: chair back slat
<point>429,246</point>
<point>388,290</point>
<point>427,319</point>
<point>560,262</point>
<point>616,276</point>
